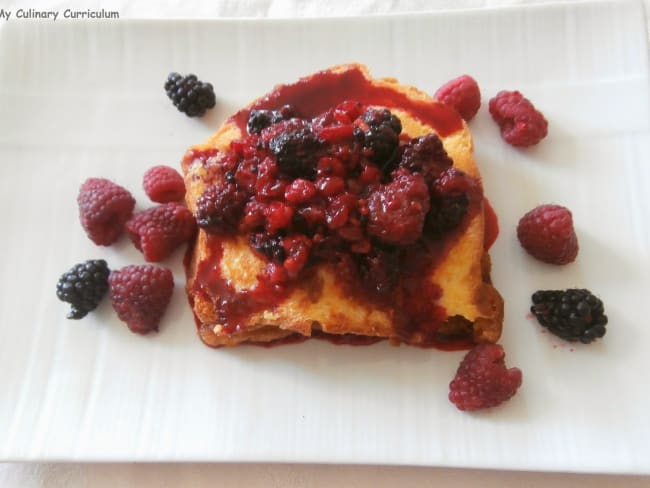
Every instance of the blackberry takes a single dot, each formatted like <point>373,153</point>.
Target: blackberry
<point>296,153</point>
<point>573,314</point>
<point>270,246</point>
<point>190,95</point>
<point>425,155</point>
<point>379,131</point>
<point>83,286</point>
<point>261,119</point>
<point>446,214</point>
<point>450,198</point>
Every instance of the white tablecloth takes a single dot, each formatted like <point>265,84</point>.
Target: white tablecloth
<point>267,475</point>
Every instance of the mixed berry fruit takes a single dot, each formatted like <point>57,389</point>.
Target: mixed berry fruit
<point>309,190</point>
<point>139,293</point>
<point>346,182</point>
<point>545,232</point>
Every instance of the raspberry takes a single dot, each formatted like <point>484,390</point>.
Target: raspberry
<point>83,286</point>
<point>547,233</point>
<point>339,209</point>
<point>463,94</point>
<point>520,122</point>
<point>140,294</point>
<point>163,184</point>
<point>300,191</point>
<point>190,96</point>
<point>159,230</point>
<point>396,211</point>
<point>104,208</point>
<point>297,249</point>
<point>278,215</point>
<point>573,315</point>
<point>330,186</point>
<point>482,380</point>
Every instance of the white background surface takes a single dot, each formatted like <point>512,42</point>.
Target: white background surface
<point>269,475</point>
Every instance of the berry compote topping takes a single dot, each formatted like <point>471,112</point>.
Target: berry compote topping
<point>260,119</point>
<point>318,93</point>
<point>335,188</point>
<point>396,210</point>
<point>378,131</point>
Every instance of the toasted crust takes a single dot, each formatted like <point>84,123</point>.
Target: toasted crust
<point>321,303</point>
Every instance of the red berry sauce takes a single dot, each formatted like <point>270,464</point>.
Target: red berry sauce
<point>491,225</point>
<point>327,89</point>
<point>308,189</point>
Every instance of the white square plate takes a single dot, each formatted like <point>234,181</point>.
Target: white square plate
<point>83,99</point>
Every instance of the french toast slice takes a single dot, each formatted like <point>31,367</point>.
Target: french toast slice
<point>248,279</point>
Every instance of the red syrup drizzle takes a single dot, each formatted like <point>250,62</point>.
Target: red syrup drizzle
<point>420,314</point>
<point>314,95</point>
<point>336,339</point>
<point>491,225</point>
<point>234,307</point>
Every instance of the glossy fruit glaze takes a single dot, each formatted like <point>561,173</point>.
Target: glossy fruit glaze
<point>305,186</point>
